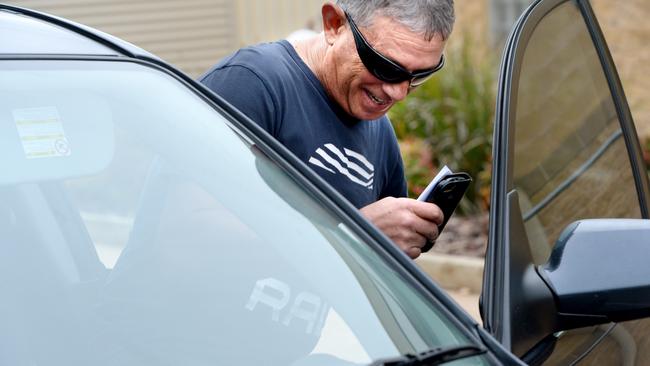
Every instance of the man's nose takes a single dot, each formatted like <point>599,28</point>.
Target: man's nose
<point>397,91</point>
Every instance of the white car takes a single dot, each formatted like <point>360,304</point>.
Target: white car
<point>144,221</point>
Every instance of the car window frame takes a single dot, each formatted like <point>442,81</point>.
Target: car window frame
<point>500,273</point>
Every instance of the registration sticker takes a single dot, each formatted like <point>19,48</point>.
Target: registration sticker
<point>41,132</point>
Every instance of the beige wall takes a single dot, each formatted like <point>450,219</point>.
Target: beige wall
<point>471,18</point>
<point>627,30</point>
<point>265,20</point>
<point>191,34</point>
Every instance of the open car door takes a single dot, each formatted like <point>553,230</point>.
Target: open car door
<point>566,276</point>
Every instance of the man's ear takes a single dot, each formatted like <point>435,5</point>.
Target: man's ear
<point>333,22</point>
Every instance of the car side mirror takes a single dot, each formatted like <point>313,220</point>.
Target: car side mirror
<point>598,272</point>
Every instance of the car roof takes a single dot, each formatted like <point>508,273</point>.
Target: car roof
<point>30,32</point>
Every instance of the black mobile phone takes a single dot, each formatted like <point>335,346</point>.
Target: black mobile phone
<point>447,195</point>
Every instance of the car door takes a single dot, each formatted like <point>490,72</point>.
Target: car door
<point>565,149</point>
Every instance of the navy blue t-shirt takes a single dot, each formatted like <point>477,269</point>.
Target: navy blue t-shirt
<point>273,86</point>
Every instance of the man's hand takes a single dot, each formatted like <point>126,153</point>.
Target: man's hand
<point>408,222</point>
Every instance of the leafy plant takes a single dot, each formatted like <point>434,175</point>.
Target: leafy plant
<point>448,121</point>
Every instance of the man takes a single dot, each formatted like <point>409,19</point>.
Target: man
<point>326,99</point>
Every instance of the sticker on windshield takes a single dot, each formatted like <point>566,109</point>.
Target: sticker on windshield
<point>41,132</point>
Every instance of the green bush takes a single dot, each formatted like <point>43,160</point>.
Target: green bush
<point>448,121</point>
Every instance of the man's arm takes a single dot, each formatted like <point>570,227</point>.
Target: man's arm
<point>408,222</point>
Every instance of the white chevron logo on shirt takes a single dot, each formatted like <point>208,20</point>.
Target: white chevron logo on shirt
<point>347,162</point>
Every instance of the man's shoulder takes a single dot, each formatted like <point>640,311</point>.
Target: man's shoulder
<point>266,60</point>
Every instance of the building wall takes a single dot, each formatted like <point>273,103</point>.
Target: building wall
<point>266,20</point>
<point>627,31</point>
<point>191,34</point>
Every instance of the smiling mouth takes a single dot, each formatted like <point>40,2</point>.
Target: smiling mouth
<point>376,99</point>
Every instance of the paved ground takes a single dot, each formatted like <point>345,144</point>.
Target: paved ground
<point>464,235</point>
<point>461,276</point>
<point>456,260</point>
<point>467,300</point>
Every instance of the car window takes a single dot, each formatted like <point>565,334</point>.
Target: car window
<point>138,227</point>
<point>570,158</point>
<point>571,162</point>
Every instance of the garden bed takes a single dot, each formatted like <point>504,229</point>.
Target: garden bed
<point>464,235</point>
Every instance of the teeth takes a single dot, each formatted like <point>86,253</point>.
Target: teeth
<point>375,99</point>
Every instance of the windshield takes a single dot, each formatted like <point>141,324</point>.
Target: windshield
<point>138,228</point>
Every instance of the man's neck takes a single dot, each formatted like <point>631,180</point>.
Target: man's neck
<point>312,52</point>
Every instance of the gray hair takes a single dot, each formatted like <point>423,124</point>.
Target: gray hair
<point>428,17</point>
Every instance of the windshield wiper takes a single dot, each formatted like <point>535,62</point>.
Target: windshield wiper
<point>435,356</point>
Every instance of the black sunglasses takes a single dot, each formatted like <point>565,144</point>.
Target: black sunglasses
<point>384,68</point>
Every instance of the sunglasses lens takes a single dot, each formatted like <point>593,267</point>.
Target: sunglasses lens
<point>378,66</point>
<point>421,80</point>
<point>387,73</point>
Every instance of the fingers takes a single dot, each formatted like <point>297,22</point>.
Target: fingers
<point>413,252</point>
<point>428,211</point>
<point>409,223</point>
<point>427,229</point>
<point>412,232</point>
<point>425,219</point>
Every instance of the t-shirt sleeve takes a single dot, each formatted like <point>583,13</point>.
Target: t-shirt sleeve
<point>244,89</point>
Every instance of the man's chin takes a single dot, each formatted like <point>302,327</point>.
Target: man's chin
<point>369,109</point>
